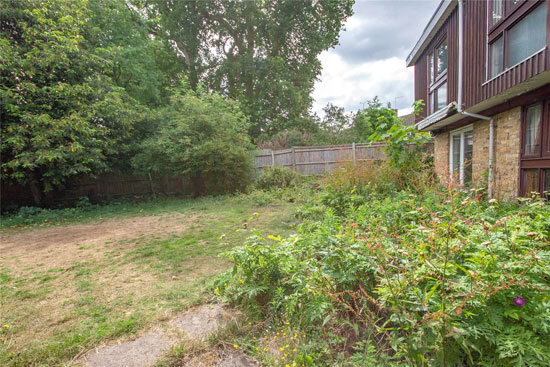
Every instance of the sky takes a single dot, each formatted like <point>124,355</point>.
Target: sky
<point>370,59</point>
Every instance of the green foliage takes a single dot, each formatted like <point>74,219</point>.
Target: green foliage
<point>374,118</point>
<point>403,143</point>
<point>61,113</point>
<point>263,54</point>
<point>203,137</point>
<point>277,176</point>
<point>429,278</point>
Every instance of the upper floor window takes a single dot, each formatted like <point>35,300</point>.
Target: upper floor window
<point>437,77</point>
<point>518,32</point>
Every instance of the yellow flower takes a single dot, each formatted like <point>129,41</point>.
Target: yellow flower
<point>6,326</point>
<point>281,348</point>
<point>235,346</point>
<point>265,349</point>
<point>286,346</point>
<point>294,363</point>
<point>294,350</point>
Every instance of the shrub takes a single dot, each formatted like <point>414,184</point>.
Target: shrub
<point>431,280</point>
<point>204,137</point>
<point>277,176</point>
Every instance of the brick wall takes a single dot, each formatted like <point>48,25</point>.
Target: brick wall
<point>441,156</point>
<point>507,149</point>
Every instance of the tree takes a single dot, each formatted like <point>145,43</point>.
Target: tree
<point>61,115</point>
<point>261,53</point>
<point>374,118</point>
<point>203,137</point>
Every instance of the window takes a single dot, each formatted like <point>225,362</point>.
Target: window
<point>437,77</point>
<point>496,57</point>
<point>517,31</point>
<point>461,151</point>
<point>535,150</point>
<point>527,37</point>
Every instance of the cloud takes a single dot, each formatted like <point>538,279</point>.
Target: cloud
<point>370,60</point>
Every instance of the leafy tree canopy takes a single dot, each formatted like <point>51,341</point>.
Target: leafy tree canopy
<point>261,53</point>
<point>62,114</point>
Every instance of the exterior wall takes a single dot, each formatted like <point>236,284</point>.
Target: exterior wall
<point>507,154</point>
<point>476,86</point>
<point>441,156</point>
<point>507,151</point>
<point>480,155</point>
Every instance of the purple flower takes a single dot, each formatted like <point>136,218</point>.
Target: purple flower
<point>519,301</point>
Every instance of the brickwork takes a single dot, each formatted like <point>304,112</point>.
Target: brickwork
<point>507,150</point>
<point>480,155</point>
<point>441,156</point>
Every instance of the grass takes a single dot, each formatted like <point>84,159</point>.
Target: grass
<point>59,301</point>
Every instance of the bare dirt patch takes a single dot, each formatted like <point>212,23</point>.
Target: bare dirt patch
<point>62,246</point>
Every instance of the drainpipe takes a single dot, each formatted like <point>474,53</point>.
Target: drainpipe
<point>460,108</point>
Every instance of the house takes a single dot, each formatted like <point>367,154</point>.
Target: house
<point>483,69</point>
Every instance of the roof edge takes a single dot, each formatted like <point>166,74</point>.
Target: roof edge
<point>436,21</point>
<point>435,117</point>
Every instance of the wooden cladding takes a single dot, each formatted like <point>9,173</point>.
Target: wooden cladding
<point>476,86</point>
<point>448,31</point>
<point>518,74</point>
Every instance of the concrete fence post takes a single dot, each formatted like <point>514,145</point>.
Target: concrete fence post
<point>293,159</point>
<point>353,152</point>
<point>272,158</point>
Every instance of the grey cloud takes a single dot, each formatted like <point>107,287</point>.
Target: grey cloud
<point>386,29</point>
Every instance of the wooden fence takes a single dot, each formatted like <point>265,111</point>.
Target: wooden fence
<point>317,160</point>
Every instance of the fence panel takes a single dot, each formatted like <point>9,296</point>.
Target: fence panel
<point>317,160</point>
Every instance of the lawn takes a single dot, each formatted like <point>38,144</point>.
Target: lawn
<point>73,279</point>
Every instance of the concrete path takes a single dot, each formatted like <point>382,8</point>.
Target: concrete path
<point>195,325</point>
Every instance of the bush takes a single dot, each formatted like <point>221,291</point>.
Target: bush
<point>204,137</point>
<point>278,176</point>
<point>431,280</point>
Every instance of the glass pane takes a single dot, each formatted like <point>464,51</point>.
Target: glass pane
<point>468,151</point>
<point>497,57</point>
<point>442,57</point>
<point>441,96</point>
<point>430,103</point>
<point>532,130</point>
<point>528,36</point>
<point>531,181</point>
<point>497,11</point>
<point>456,155</point>
<point>430,69</point>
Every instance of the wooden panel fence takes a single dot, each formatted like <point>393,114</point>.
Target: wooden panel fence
<point>316,160</point>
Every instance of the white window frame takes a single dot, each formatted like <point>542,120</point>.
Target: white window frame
<point>461,133</point>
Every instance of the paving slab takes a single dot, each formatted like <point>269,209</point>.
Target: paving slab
<point>141,352</point>
<point>202,321</point>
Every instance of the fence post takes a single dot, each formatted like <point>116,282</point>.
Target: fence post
<point>293,159</point>
<point>272,159</point>
<point>353,152</point>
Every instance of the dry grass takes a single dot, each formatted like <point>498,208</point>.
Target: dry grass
<point>66,289</point>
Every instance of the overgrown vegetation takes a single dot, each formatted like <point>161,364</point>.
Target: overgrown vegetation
<point>278,177</point>
<point>380,273</point>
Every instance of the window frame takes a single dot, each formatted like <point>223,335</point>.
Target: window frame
<point>453,133</point>
<point>513,14</point>
<point>540,161</point>
<point>434,80</point>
